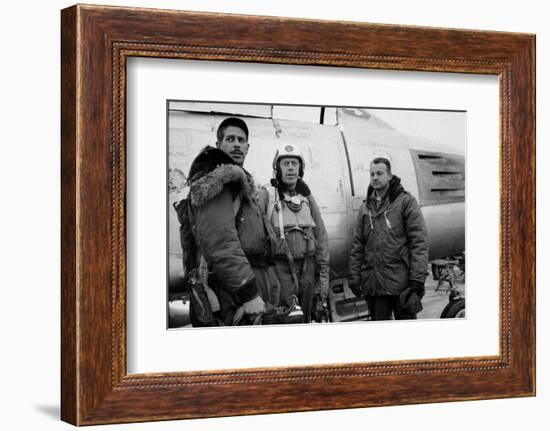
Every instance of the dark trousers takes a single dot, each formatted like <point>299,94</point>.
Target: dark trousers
<point>382,307</point>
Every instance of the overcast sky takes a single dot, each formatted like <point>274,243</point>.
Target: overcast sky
<point>443,126</point>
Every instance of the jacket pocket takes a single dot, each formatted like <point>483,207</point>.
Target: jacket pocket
<point>368,260</point>
<point>251,230</point>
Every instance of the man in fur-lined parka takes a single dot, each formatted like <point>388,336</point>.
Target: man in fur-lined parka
<point>229,228</point>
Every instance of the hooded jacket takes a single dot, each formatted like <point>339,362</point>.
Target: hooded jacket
<point>227,225</point>
<point>390,243</point>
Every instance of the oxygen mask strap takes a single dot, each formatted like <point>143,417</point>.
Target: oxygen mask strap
<point>294,203</point>
<point>280,214</point>
<point>293,206</point>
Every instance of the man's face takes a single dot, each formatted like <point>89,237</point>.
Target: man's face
<point>290,166</point>
<point>234,144</point>
<point>379,176</point>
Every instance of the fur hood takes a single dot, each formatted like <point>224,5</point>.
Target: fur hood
<point>211,171</point>
<point>394,190</point>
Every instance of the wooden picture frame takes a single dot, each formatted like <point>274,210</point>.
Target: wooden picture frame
<point>96,42</point>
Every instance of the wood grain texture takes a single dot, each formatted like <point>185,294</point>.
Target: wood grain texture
<point>69,397</point>
<point>96,41</point>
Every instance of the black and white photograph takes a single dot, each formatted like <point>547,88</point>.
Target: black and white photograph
<point>299,214</point>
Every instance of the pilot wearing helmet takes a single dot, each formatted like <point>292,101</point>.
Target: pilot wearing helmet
<point>301,248</point>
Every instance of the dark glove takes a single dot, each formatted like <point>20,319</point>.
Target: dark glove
<point>356,289</point>
<point>410,301</point>
<point>189,277</point>
<point>417,288</point>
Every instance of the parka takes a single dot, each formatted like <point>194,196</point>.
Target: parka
<point>229,229</point>
<point>390,244</point>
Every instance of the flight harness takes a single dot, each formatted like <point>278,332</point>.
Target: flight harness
<point>308,288</point>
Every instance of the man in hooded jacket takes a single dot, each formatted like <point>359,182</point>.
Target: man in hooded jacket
<point>226,227</point>
<point>389,253</point>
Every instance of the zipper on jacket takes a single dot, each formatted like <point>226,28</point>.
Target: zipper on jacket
<point>370,220</point>
<point>388,224</point>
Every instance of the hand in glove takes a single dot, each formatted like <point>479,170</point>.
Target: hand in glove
<point>417,288</point>
<point>356,289</point>
<point>410,301</point>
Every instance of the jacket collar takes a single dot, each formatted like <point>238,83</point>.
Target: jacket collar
<point>211,171</point>
<point>301,187</point>
<point>394,190</point>
<point>207,160</point>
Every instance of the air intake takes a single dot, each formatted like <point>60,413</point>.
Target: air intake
<point>440,176</point>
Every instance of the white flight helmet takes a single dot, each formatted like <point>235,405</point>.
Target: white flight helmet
<point>289,150</point>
